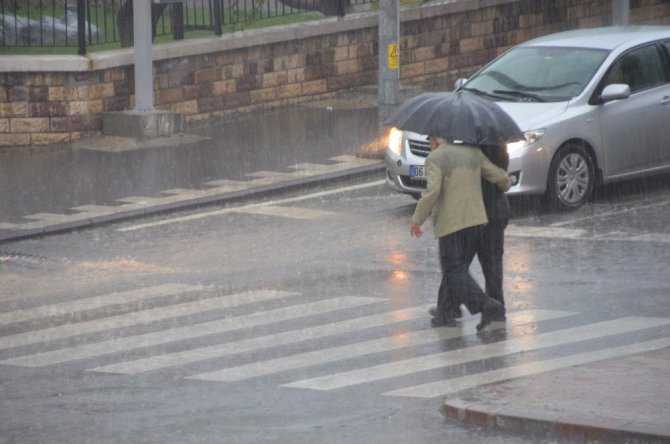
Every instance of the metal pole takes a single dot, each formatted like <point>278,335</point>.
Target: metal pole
<point>620,12</point>
<point>81,27</point>
<point>217,18</point>
<point>340,8</point>
<point>177,19</point>
<point>144,79</point>
<point>389,57</point>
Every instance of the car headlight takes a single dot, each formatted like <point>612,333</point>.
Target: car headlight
<point>395,141</point>
<point>529,138</point>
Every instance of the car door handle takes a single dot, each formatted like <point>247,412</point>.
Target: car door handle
<point>665,100</point>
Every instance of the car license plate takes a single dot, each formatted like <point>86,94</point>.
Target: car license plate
<point>417,171</point>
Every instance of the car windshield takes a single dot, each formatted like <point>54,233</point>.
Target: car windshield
<point>538,74</point>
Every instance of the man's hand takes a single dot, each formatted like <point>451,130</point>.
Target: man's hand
<point>415,230</point>
<point>505,184</point>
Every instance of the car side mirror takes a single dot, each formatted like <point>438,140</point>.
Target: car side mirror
<point>615,91</point>
<point>459,83</point>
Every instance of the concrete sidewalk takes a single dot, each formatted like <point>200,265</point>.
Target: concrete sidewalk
<point>621,400</point>
<point>55,189</point>
<point>46,190</point>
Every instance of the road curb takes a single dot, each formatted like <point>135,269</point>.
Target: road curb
<point>354,173</point>
<point>564,428</point>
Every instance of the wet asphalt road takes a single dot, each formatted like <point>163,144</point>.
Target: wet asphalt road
<point>313,260</point>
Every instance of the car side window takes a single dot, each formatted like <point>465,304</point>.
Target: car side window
<point>640,69</point>
<point>667,47</point>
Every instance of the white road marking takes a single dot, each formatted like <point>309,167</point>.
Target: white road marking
<point>611,213</point>
<point>455,385</point>
<point>290,212</point>
<point>140,317</point>
<point>554,230</point>
<point>251,206</point>
<point>261,342</point>
<point>479,352</point>
<point>323,356</point>
<point>557,232</point>
<point>189,332</point>
<point>105,300</point>
<point>551,232</point>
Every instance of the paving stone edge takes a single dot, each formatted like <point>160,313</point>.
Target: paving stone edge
<point>562,427</point>
<point>358,172</point>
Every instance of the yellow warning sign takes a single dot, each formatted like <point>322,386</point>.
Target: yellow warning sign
<point>394,56</point>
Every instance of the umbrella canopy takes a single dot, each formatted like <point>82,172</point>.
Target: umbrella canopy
<point>456,115</point>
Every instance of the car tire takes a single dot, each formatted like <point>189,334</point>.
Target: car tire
<point>571,178</point>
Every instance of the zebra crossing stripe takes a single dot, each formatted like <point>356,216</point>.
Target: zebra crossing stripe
<point>105,300</point>
<point>261,342</point>
<point>139,317</point>
<point>479,352</point>
<point>455,385</point>
<point>323,356</point>
<point>188,332</point>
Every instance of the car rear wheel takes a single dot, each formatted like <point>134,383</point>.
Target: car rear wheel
<point>571,178</point>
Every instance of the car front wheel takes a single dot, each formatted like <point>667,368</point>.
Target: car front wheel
<point>571,178</point>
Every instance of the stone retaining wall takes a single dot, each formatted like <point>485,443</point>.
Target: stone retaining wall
<point>49,99</point>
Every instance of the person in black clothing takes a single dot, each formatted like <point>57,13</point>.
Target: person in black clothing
<point>490,247</point>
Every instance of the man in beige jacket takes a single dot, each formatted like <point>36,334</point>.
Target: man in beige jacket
<point>454,196</point>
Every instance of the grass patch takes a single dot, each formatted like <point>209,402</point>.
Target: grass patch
<point>108,33</point>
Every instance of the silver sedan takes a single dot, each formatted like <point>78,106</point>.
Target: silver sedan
<point>594,105</point>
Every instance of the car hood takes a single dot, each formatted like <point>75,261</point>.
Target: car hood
<point>533,115</point>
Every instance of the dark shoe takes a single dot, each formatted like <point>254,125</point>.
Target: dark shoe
<point>456,314</point>
<point>448,322</point>
<point>500,318</point>
<point>491,311</point>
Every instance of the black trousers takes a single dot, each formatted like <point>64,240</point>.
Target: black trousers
<point>458,286</point>
<point>490,249</point>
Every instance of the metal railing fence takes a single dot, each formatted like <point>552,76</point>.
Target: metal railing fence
<point>84,23</point>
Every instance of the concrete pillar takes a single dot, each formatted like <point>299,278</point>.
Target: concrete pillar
<point>620,12</point>
<point>144,122</point>
<point>144,76</point>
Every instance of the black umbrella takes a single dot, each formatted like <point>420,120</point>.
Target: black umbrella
<point>456,115</point>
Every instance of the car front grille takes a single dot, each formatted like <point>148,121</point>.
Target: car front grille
<point>413,183</point>
<point>419,147</point>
